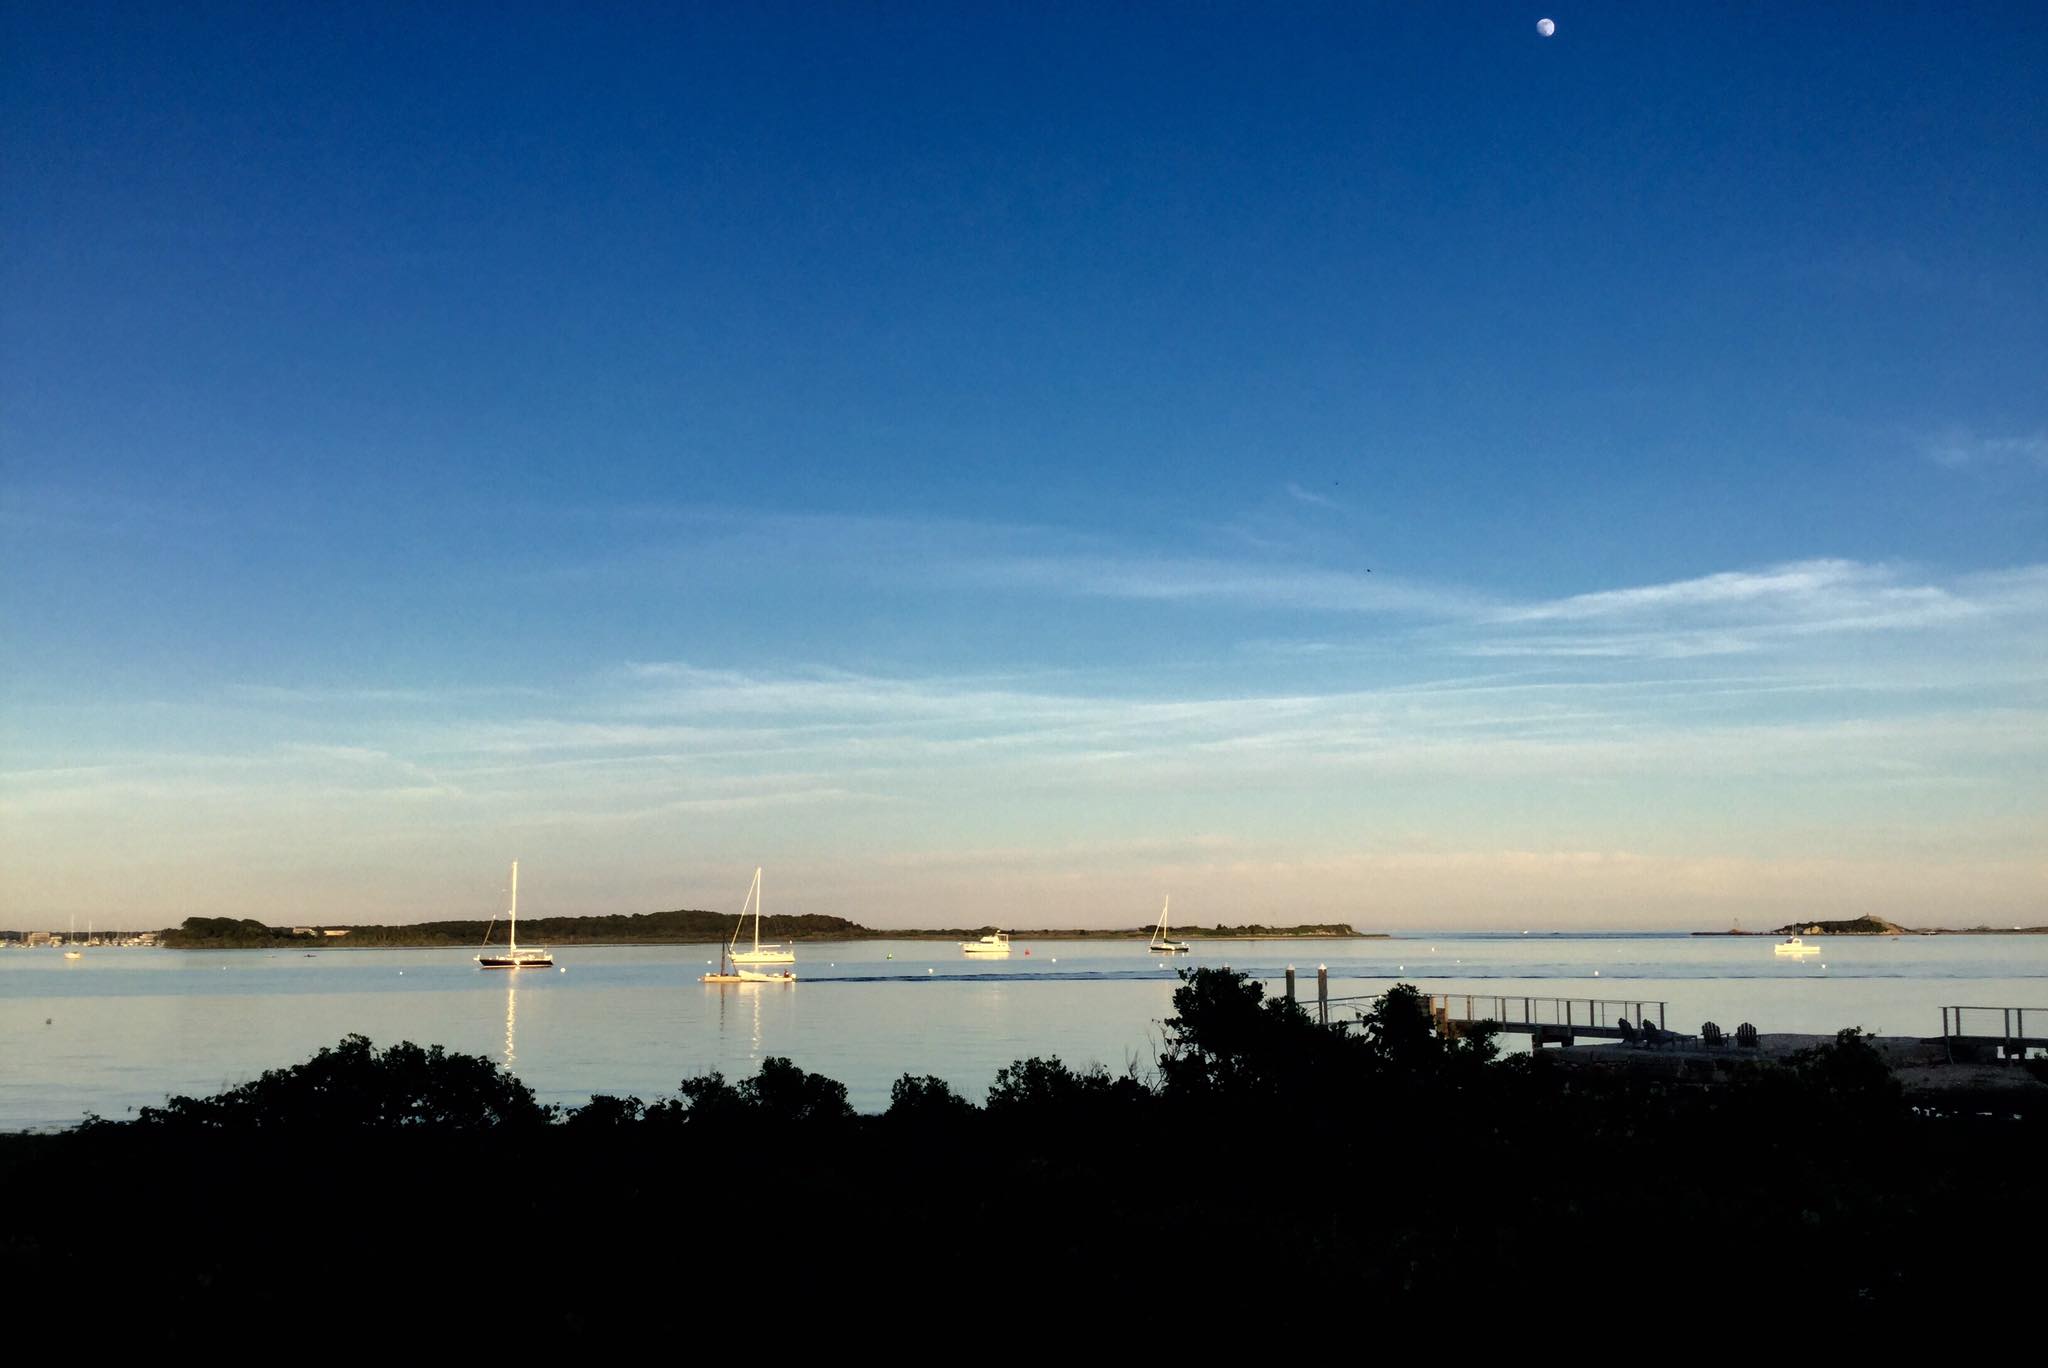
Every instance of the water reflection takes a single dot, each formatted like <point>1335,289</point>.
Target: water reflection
<point>511,1018</point>
<point>747,1018</point>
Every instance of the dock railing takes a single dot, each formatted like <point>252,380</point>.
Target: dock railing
<point>1556,1019</point>
<point>2001,1028</point>
<point>1521,1011</point>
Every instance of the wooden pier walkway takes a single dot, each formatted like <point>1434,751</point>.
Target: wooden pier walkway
<point>1545,1020</point>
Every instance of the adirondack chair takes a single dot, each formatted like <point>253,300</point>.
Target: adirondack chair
<point>1711,1037</point>
<point>1745,1036</point>
<point>1629,1034</point>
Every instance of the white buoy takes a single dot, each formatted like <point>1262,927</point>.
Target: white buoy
<point>1596,973</point>
<point>1546,27</point>
<point>931,971</point>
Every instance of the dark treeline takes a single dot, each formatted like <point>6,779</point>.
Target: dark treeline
<point>686,925</point>
<point>1269,1162</point>
<point>683,926</point>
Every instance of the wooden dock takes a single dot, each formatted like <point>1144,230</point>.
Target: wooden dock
<point>1991,1032</point>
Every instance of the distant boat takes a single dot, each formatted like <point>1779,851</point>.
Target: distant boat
<point>70,952</point>
<point>1162,944</point>
<point>1794,948</point>
<point>514,957</point>
<point>760,954</point>
<point>737,966</point>
<point>995,943</point>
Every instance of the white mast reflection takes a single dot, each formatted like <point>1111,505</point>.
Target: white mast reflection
<point>511,1018</point>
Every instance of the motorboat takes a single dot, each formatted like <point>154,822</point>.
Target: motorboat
<point>995,943</point>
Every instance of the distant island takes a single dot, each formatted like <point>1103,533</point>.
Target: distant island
<point>1878,926</point>
<point>681,927</point>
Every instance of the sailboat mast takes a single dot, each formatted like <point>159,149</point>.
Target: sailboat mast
<point>515,904</point>
<point>757,908</point>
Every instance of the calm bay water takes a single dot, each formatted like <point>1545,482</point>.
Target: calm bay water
<point>119,1029</point>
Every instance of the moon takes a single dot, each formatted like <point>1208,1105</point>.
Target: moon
<point>1546,27</point>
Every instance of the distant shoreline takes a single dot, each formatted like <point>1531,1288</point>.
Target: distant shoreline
<point>1878,926</point>
<point>680,928</point>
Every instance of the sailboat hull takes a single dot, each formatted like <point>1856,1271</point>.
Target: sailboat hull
<point>515,962</point>
<point>1169,948</point>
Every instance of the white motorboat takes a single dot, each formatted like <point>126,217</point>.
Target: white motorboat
<point>1162,944</point>
<point>512,957</point>
<point>995,943</point>
<point>1794,948</point>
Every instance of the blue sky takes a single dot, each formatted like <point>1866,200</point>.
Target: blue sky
<point>1363,462</point>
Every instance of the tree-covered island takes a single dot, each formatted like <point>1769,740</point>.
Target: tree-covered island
<point>681,927</point>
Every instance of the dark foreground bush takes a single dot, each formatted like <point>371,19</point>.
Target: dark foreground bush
<point>355,1086</point>
<point>1381,1169</point>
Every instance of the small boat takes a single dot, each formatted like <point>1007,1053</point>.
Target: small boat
<point>995,943</point>
<point>513,957</point>
<point>1794,948</point>
<point>760,954</point>
<point>1162,944</point>
<point>737,966</point>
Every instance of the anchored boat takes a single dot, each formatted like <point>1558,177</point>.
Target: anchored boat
<point>1162,944</point>
<point>513,957</point>
<point>743,966</point>
<point>995,943</point>
<point>1794,948</point>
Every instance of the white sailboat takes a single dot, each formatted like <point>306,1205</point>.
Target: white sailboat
<point>514,957</point>
<point>745,966</point>
<point>1162,944</point>
<point>995,943</point>
<point>71,950</point>
<point>760,954</point>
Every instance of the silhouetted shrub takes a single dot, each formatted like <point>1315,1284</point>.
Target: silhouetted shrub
<point>1045,1087</point>
<point>926,1100</point>
<point>354,1085</point>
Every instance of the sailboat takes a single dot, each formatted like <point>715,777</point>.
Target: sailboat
<point>71,951</point>
<point>514,957</point>
<point>760,954</point>
<point>1161,943</point>
<point>740,966</point>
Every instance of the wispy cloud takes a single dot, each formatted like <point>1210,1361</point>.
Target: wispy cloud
<point>1964,450</point>
<point>1310,497</point>
<point>1854,685</point>
<point>1734,612</point>
<point>1244,583</point>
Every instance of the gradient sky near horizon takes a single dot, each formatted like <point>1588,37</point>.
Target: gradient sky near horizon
<point>1006,463</point>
